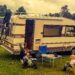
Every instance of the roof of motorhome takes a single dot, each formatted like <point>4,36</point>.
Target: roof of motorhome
<point>21,19</point>
<point>16,20</point>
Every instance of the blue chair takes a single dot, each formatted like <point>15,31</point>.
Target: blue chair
<point>42,49</point>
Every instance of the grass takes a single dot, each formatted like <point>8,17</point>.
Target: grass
<point>10,65</point>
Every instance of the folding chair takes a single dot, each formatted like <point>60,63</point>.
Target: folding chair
<point>42,49</point>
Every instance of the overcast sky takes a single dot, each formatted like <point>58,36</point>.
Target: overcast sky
<point>40,6</point>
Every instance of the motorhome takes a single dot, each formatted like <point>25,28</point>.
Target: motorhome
<point>57,33</point>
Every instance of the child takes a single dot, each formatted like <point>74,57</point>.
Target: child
<point>27,61</point>
<point>70,63</point>
<point>67,64</point>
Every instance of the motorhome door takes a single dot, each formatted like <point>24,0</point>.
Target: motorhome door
<point>29,32</point>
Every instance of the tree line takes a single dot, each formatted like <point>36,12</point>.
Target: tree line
<point>64,12</point>
<point>4,9</point>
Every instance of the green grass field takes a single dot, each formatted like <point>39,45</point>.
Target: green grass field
<point>10,65</point>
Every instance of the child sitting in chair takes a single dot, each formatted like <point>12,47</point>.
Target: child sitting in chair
<point>70,63</point>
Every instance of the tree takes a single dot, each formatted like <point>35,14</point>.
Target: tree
<point>3,9</point>
<point>50,14</point>
<point>7,17</point>
<point>56,15</point>
<point>21,10</point>
<point>65,12</point>
<point>73,16</point>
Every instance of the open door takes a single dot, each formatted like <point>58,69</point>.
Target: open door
<point>29,33</point>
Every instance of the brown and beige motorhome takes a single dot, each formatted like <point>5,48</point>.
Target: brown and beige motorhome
<point>57,33</point>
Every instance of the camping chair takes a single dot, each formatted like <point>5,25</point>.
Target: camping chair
<point>42,50</point>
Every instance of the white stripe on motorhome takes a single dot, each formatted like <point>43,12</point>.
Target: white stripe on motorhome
<point>7,49</point>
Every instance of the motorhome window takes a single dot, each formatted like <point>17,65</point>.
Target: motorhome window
<point>52,31</point>
<point>70,31</point>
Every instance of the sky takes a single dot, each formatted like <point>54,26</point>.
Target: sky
<point>40,6</point>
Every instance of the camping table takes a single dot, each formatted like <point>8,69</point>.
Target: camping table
<point>51,57</point>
